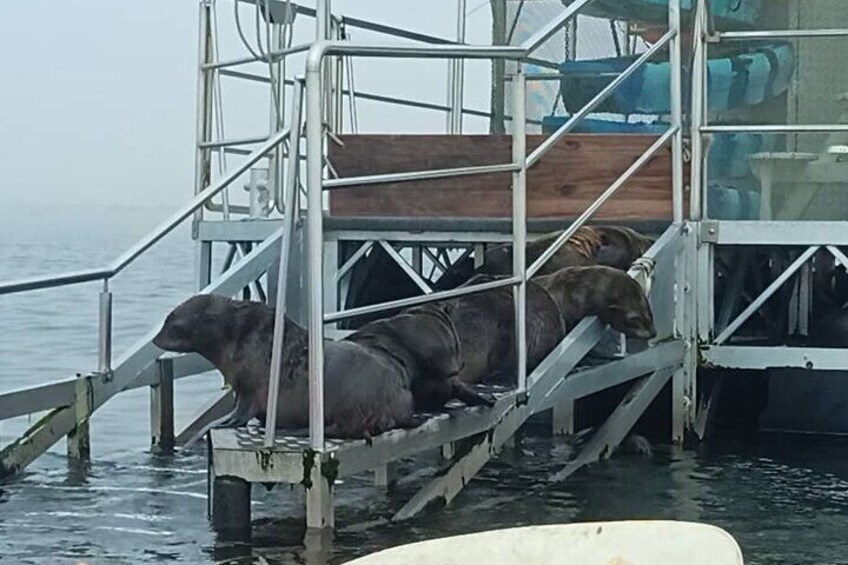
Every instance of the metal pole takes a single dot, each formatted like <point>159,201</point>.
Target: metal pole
<point>277,91</point>
<point>104,362</point>
<point>290,188</point>
<point>676,110</point>
<point>203,132</point>
<point>697,117</point>
<point>314,210</point>
<point>519,223</point>
<point>458,74</point>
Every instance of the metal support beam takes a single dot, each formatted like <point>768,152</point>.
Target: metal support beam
<point>215,410</point>
<point>766,294</point>
<point>605,440</point>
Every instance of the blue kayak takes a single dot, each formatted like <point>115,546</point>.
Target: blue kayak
<point>745,78</point>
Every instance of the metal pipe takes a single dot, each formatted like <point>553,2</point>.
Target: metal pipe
<point>676,98</point>
<point>321,49</point>
<point>353,259</point>
<point>50,281</point>
<point>840,257</point>
<point>417,300</point>
<point>232,142</point>
<point>346,182</point>
<point>766,294</point>
<point>315,251</point>
<point>456,72</point>
<point>407,268</point>
<point>607,194</point>
<point>289,189</point>
<point>697,117</point>
<point>378,97</point>
<point>104,341</point>
<point>778,34</point>
<point>188,209</point>
<point>540,37</point>
<point>519,224</point>
<point>203,117</point>
<point>270,57</point>
<point>778,128</point>
<point>546,145</point>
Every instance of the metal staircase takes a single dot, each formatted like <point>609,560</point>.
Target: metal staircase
<point>239,457</point>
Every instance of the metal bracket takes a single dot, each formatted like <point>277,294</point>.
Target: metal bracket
<point>709,231</point>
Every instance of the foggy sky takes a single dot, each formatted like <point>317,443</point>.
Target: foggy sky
<point>97,97</point>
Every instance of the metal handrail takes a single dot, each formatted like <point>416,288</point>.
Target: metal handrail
<point>123,260</point>
<point>347,182</point>
<point>777,34</point>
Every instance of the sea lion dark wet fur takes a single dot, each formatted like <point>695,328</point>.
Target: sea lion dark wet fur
<point>235,336</point>
<point>485,323</point>
<point>608,293</point>
<point>367,378</point>
<point>425,344</point>
<point>613,246</point>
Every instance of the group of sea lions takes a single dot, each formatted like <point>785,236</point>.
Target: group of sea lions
<point>384,374</point>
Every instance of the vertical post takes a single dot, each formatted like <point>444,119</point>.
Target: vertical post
<point>203,133</point>
<point>676,109</point>
<point>79,439</point>
<point>698,112</point>
<point>496,123</point>
<point>162,408</point>
<point>204,264</point>
<point>678,381</point>
<point>384,475</point>
<point>315,243</point>
<point>456,78</point>
<point>519,222</point>
<point>104,342</point>
<point>276,110</point>
<point>289,189</point>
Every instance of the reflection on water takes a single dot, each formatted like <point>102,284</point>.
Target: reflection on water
<point>786,501</point>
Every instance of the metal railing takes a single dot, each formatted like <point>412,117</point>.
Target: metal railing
<point>108,272</point>
<point>316,184</point>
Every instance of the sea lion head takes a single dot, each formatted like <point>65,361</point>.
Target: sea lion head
<point>627,309</point>
<point>195,325</point>
<point>429,334</point>
<point>620,246</point>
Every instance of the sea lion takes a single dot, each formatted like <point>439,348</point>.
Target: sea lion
<point>367,378</point>
<point>613,246</point>
<point>424,342</point>
<point>235,336</point>
<point>485,323</point>
<point>608,293</point>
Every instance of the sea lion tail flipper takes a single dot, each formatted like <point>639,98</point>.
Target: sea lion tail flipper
<point>470,396</point>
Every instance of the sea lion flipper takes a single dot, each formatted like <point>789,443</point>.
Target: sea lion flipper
<point>470,396</point>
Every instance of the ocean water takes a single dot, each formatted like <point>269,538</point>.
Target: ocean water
<point>784,499</point>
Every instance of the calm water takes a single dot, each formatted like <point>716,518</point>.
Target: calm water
<point>786,501</point>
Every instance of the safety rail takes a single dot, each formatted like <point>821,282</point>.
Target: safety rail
<point>318,53</point>
<point>130,255</point>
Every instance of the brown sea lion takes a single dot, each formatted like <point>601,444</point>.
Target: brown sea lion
<point>613,246</point>
<point>367,378</point>
<point>485,323</point>
<point>605,292</point>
